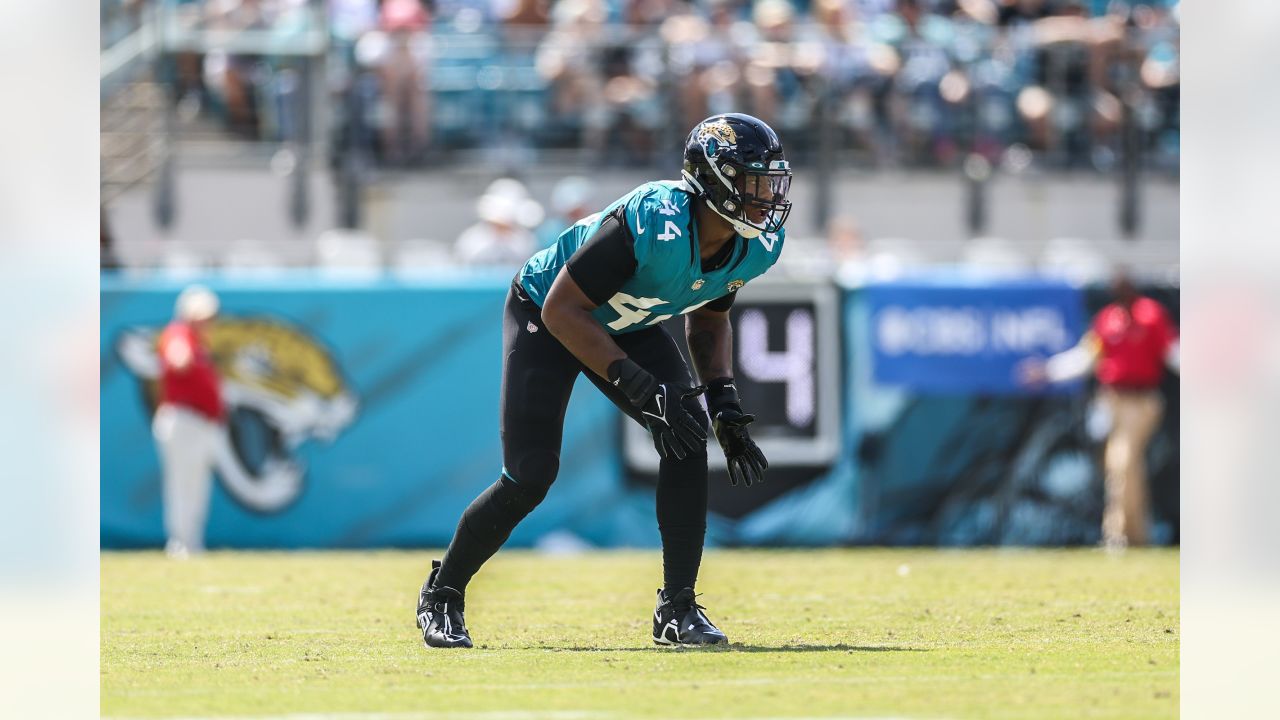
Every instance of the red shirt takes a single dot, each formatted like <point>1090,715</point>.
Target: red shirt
<point>1134,343</point>
<point>194,386</point>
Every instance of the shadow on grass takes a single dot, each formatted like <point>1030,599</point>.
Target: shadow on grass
<point>738,647</point>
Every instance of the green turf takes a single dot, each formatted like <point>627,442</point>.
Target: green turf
<point>833,633</point>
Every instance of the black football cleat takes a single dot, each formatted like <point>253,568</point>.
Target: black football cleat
<point>440,614</point>
<point>679,621</point>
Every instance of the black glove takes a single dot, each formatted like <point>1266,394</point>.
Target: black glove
<point>676,433</point>
<point>745,461</point>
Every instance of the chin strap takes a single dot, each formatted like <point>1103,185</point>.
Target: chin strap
<point>747,231</point>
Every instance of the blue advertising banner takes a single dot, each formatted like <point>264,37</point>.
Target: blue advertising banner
<point>949,337</point>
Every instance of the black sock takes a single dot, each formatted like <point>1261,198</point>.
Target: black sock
<point>682,519</point>
<point>485,526</point>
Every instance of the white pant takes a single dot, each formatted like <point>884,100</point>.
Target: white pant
<point>187,441</point>
<point>1135,417</point>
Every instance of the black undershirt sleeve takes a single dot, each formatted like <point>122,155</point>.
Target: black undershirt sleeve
<point>606,261</point>
<point>722,303</point>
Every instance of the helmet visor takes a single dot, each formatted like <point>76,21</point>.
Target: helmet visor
<point>764,198</point>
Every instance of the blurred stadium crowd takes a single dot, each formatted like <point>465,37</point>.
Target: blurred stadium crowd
<point>899,83</point>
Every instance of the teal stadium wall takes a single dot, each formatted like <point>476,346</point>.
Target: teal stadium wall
<point>365,414</point>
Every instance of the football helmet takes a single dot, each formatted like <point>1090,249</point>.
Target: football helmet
<point>735,163</point>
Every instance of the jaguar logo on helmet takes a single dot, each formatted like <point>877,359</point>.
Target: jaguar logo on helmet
<point>712,134</point>
<point>281,388</point>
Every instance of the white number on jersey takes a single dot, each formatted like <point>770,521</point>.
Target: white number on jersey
<point>672,232</point>
<point>685,311</point>
<point>628,316</point>
<point>768,240</point>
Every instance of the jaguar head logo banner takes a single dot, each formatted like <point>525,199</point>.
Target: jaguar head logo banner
<point>281,388</point>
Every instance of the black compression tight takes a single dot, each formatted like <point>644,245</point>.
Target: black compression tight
<point>538,376</point>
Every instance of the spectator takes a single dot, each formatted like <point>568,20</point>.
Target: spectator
<point>1064,58</point>
<point>926,90</point>
<point>646,14</point>
<point>189,422</point>
<point>846,257</point>
<point>708,56</point>
<point>349,19</point>
<point>628,115</point>
<point>907,80</point>
<point>502,236</point>
<point>1160,77</point>
<point>533,14</point>
<point>770,79</point>
<point>566,60</point>
<point>844,240</point>
<point>233,78</point>
<point>1128,346</point>
<point>838,33</point>
<point>630,64</point>
<point>407,121</point>
<point>570,202</point>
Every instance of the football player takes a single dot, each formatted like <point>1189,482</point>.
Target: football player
<point>593,303</point>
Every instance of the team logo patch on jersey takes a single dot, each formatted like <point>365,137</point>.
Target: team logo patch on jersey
<point>281,387</point>
<point>697,284</point>
<point>531,327</point>
<point>735,284</point>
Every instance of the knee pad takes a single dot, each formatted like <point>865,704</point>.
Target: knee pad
<point>502,505</point>
<point>531,474</point>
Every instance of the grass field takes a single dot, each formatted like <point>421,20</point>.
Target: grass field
<point>814,634</point>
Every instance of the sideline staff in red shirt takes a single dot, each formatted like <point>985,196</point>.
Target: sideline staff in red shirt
<point>189,422</point>
<point>1128,346</point>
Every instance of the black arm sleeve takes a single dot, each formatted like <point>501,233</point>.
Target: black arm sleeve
<point>722,303</point>
<point>606,261</point>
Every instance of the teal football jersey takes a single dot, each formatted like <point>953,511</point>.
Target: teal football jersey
<point>668,280</point>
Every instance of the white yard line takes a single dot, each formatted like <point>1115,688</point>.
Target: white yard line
<point>497,715</point>
<point>705,682</point>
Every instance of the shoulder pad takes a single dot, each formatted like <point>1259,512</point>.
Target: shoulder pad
<point>658,213</point>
